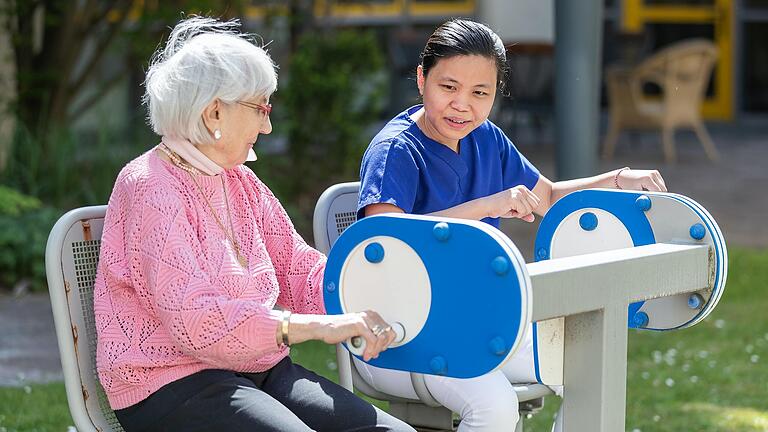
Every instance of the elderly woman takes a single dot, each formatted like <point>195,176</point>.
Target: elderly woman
<point>197,252</point>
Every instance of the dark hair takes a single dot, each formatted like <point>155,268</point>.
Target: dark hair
<point>465,37</point>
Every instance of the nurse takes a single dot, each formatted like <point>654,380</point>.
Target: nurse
<point>445,158</point>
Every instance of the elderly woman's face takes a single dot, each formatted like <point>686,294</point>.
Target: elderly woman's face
<point>240,126</point>
<point>458,95</point>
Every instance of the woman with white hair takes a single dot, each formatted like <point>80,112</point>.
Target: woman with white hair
<point>197,252</point>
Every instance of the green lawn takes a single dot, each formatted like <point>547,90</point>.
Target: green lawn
<point>712,377</point>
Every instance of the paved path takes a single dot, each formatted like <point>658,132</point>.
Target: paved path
<point>735,191</point>
<point>28,349</point>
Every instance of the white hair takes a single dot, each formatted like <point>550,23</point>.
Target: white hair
<point>203,60</point>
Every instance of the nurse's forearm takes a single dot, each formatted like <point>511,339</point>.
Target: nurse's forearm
<point>474,210</point>
<point>563,188</point>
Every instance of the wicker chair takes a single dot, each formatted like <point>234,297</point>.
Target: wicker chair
<point>682,71</point>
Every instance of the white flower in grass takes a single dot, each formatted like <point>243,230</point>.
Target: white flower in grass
<point>720,323</point>
<point>331,365</point>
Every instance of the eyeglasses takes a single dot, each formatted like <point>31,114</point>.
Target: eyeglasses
<point>266,108</point>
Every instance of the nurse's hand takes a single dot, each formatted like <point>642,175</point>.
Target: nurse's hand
<point>647,180</point>
<point>517,202</point>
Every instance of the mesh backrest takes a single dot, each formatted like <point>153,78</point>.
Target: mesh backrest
<point>72,256</point>
<point>86,258</point>
<point>344,220</point>
<point>342,212</point>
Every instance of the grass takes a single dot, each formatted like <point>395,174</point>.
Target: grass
<point>712,377</point>
<point>35,408</point>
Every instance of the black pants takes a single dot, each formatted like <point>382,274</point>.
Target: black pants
<point>286,398</point>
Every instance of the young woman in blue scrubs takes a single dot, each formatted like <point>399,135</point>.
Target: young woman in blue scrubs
<point>446,158</point>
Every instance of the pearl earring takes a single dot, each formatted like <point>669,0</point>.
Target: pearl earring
<point>217,134</point>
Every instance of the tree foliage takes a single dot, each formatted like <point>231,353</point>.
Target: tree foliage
<point>61,46</point>
<point>335,91</point>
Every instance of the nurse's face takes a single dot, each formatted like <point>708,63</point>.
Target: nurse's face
<point>458,94</point>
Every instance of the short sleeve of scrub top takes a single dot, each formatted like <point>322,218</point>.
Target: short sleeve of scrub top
<point>389,174</point>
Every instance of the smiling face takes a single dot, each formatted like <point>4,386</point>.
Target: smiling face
<point>240,127</point>
<point>458,94</point>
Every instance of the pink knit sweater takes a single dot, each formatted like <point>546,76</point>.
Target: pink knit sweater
<point>170,297</point>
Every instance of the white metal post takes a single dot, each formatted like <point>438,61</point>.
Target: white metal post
<point>592,292</point>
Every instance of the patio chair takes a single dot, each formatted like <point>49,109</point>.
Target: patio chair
<point>682,71</point>
<point>71,256</point>
<point>336,209</point>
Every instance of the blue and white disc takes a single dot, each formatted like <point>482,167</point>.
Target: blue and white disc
<point>459,289</point>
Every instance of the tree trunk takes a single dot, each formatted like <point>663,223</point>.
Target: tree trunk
<point>7,85</point>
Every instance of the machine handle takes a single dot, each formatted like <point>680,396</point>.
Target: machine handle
<point>356,345</point>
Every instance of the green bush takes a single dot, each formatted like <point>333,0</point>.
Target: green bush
<point>13,202</point>
<point>24,227</point>
<point>335,90</point>
<point>77,169</point>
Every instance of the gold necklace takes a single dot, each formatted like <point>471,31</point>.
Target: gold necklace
<point>192,171</point>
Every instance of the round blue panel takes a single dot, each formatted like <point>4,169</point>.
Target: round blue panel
<point>470,275</point>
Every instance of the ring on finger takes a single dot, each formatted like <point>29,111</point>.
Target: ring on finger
<point>377,330</point>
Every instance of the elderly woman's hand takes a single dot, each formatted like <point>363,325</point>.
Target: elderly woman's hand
<point>332,329</point>
<point>649,180</point>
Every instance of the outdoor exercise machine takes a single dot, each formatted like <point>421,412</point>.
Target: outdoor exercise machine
<point>462,298</point>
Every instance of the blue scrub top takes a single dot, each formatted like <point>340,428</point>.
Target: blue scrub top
<point>404,167</point>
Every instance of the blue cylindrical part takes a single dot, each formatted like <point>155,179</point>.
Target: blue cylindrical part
<point>441,231</point>
<point>330,287</point>
<point>438,365</point>
<point>500,265</point>
<point>588,221</point>
<point>541,253</point>
<point>640,319</point>
<point>643,203</point>
<point>697,231</point>
<point>374,252</point>
<point>695,301</point>
<point>497,346</point>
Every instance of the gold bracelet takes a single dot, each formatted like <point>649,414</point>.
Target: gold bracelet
<point>286,320</point>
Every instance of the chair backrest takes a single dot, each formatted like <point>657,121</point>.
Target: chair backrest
<point>683,69</point>
<point>334,212</point>
<point>71,256</point>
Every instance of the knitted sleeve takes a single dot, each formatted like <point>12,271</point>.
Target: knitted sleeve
<point>166,265</point>
<point>299,268</point>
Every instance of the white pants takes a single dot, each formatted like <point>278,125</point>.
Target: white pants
<point>487,403</point>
